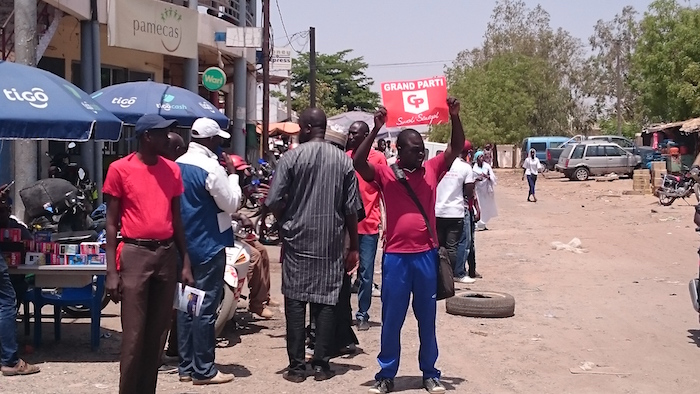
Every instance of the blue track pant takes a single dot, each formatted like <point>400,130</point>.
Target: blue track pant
<point>403,274</point>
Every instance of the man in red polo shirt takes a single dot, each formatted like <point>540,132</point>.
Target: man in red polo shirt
<point>368,228</point>
<point>410,255</point>
<point>143,192</point>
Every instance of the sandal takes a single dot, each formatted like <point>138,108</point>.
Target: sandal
<point>22,368</point>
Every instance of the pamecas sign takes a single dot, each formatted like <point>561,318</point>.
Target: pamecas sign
<point>412,103</point>
<point>153,26</point>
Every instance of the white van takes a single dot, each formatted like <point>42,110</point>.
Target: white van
<point>433,149</point>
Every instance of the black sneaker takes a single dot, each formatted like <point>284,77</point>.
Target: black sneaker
<point>382,386</point>
<point>321,374</point>
<point>167,369</point>
<point>362,325</point>
<point>294,376</point>
<point>433,385</point>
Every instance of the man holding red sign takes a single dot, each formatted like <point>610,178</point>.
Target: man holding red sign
<point>411,254</point>
<point>412,103</point>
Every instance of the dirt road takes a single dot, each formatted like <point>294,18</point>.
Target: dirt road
<point>623,307</point>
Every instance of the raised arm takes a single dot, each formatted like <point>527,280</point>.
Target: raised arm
<point>362,166</point>
<point>457,138</point>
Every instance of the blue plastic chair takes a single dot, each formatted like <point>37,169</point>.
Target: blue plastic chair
<point>68,297</point>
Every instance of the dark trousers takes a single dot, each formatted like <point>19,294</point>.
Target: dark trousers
<point>531,181</point>
<point>471,257</point>
<point>196,334</point>
<point>449,232</point>
<point>324,319</point>
<point>466,244</point>
<point>344,334</point>
<point>148,278</point>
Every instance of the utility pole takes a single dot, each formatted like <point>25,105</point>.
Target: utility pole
<point>190,67</point>
<point>98,149</point>
<point>618,87</point>
<point>312,66</point>
<point>264,145</point>
<point>24,153</point>
<point>289,96</point>
<point>87,83</point>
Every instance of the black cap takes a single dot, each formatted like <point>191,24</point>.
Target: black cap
<point>153,122</point>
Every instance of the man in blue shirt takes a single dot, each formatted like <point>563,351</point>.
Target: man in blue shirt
<point>210,197</point>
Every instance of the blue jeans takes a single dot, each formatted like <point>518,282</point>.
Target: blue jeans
<point>466,244</point>
<point>8,316</point>
<point>403,274</point>
<point>195,334</point>
<point>531,181</point>
<point>365,274</point>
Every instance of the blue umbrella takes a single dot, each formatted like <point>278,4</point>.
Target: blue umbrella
<point>36,104</point>
<point>129,101</point>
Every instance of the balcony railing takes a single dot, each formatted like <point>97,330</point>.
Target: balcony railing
<point>228,10</point>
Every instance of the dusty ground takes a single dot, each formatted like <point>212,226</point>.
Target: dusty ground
<point>623,306</point>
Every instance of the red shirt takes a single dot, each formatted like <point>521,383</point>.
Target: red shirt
<point>405,228</point>
<point>146,194</point>
<point>371,198</point>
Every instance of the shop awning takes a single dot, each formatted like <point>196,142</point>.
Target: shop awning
<point>686,126</point>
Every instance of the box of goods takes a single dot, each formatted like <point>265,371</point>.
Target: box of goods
<point>29,245</point>
<point>97,259</point>
<point>10,235</point>
<point>90,248</point>
<point>55,259</point>
<point>75,259</point>
<point>33,258</point>
<point>658,166</point>
<point>68,249</point>
<point>45,247</point>
<point>13,259</point>
<point>42,236</point>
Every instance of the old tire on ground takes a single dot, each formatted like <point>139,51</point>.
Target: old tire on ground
<point>481,304</point>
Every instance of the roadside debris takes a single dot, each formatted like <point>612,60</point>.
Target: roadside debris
<point>590,368</point>
<point>573,246</point>
<point>608,178</point>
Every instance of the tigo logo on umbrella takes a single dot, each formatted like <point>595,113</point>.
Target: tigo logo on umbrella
<point>124,102</point>
<point>36,97</point>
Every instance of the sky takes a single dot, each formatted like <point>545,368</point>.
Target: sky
<point>386,32</point>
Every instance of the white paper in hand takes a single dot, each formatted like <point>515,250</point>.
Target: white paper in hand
<point>189,301</point>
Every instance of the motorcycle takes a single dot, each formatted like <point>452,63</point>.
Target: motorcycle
<point>61,167</point>
<point>235,275</point>
<point>679,186</point>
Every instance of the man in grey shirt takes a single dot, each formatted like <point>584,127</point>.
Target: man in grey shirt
<point>314,197</point>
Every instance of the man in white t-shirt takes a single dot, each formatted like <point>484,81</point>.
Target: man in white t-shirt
<point>457,184</point>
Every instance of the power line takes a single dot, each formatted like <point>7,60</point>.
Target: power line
<point>279,10</point>
<point>425,63</point>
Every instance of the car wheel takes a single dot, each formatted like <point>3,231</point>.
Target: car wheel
<point>581,174</point>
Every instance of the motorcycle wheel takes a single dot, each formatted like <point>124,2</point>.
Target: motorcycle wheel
<point>226,310</point>
<point>266,227</point>
<point>665,200</point>
<point>83,311</point>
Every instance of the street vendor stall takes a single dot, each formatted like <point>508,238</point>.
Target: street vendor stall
<point>38,105</point>
<point>678,142</point>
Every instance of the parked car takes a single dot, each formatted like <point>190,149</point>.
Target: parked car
<point>540,145</point>
<point>646,152</point>
<point>596,157</point>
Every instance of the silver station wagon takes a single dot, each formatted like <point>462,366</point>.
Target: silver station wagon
<point>595,158</point>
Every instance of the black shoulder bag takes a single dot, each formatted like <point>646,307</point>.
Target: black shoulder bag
<point>445,279</point>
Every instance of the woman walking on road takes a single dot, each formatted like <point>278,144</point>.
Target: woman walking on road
<point>485,183</point>
<point>531,167</point>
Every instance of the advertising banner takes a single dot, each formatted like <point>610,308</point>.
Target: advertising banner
<point>412,103</point>
<point>153,26</point>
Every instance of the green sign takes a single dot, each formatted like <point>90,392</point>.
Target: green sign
<point>213,79</point>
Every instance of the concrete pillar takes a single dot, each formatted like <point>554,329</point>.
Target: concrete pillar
<point>252,149</point>
<point>24,153</point>
<point>87,149</point>
<point>240,90</point>
<point>191,66</point>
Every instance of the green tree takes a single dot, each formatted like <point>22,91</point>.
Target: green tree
<point>325,99</point>
<point>666,62</point>
<point>343,75</point>
<point>524,80</point>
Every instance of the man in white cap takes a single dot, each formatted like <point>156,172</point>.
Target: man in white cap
<point>210,197</point>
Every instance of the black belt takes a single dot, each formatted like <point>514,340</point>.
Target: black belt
<point>148,243</point>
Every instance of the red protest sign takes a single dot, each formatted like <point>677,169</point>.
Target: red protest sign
<point>420,102</point>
